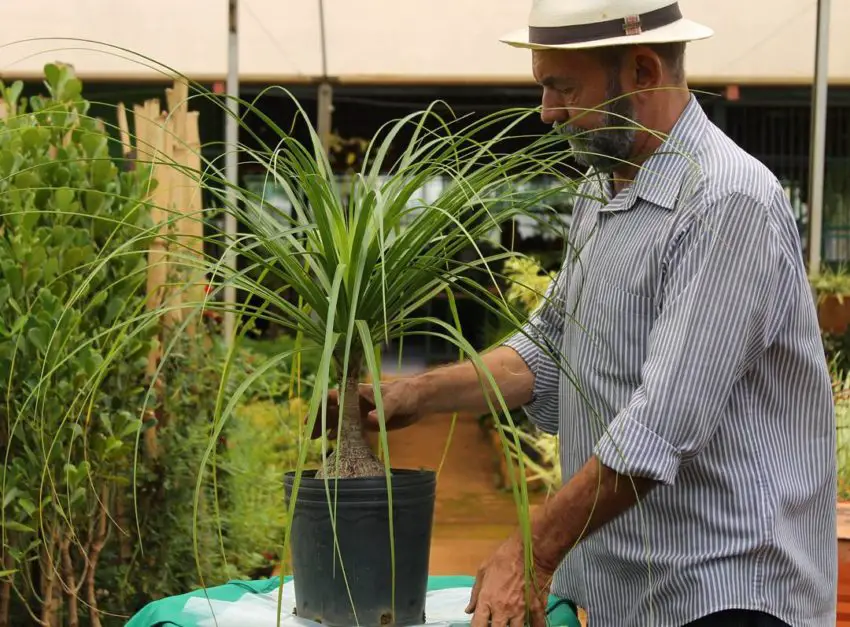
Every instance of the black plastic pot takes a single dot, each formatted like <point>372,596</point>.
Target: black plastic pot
<point>363,540</point>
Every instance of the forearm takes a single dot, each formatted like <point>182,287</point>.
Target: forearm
<point>462,387</point>
<point>593,497</point>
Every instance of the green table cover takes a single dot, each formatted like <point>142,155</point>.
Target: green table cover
<point>254,604</point>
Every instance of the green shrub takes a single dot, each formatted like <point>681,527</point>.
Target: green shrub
<point>75,482</point>
<point>262,444</point>
<point>235,527</point>
<point>68,447</point>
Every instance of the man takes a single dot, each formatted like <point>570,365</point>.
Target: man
<point>691,397</point>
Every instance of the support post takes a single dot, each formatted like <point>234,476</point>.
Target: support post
<point>231,161</point>
<point>818,141</point>
<point>325,115</point>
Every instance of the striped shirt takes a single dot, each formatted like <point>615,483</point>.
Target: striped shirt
<point>688,351</point>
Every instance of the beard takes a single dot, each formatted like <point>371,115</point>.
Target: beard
<point>611,144</point>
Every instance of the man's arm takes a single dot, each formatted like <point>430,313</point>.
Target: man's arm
<point>462,388</point>
<point>525,369</point>
<point>593,497</point>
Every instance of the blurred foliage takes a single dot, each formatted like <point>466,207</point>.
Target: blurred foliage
<point>831,282</point>
<point>238,526</point>
<point>527,282</point>
<point>68,447</point>
<point>88,518</point>
<point>841,395</point>
<point>262,443</point>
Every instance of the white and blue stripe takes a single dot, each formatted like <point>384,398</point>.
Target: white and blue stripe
<point>690,353</point>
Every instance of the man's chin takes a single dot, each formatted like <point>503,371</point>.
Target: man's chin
<point>588,157</point>
<point>598,162</point>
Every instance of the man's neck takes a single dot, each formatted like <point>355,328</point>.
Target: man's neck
<point>661,119</point>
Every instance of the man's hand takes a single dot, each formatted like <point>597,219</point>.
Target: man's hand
<point>588,501</point>
<point>401,400</point>
<point>499,594</point>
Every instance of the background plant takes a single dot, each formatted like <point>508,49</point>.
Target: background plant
<point>93,526</point>
<point>72,257</point>
<point>527,285</point>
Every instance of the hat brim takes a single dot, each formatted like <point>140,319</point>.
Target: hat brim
<point>679,31</point>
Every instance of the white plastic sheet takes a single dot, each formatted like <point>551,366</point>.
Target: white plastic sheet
<point>443,608</point>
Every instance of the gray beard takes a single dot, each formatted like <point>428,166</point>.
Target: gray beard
<point>604,148</point>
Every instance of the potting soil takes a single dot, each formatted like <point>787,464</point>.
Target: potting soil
<point>254,604</point>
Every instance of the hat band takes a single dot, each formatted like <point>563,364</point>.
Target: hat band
<point>610,29</point>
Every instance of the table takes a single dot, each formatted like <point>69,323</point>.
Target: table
<point>254,604</point>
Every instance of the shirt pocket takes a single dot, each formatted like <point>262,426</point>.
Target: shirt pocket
<point>621,322</point>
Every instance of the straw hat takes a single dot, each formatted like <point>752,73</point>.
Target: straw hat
<point>597,23</point>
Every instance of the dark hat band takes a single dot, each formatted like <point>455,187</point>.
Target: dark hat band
<point>623,27</point>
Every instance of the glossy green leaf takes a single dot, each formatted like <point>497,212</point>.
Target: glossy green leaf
<point>62,199</point>
<point>53,75</point>
<point>12,525</point>
<point>27,505</point>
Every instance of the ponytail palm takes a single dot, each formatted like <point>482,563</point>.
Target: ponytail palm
<point>361,263</point>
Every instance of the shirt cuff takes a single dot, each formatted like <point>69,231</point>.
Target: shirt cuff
<point>542,409</point>
<point>526,349</point>
<point>630,449</point>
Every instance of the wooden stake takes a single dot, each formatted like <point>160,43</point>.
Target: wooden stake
<point>148,141</point>
<point>124,130</point>
<point>170,143</point>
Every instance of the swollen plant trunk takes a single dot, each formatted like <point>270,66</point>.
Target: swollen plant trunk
<point>354,458</point>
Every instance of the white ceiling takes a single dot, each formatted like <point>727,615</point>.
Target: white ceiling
<point>757,41</point>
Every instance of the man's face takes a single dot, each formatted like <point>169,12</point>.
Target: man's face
<point>577,88</point>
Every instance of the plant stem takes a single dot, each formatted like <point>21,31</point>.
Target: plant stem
<point>94,555</point>
<point>354,457</point>
<point>51,602</point>
<point>6,591</point>
<point>70,582</point>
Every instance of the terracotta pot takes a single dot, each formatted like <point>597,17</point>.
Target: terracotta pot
<point>843,524</point>
<point>834,313</point>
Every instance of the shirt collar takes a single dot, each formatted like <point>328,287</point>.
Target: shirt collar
<point>661,178</point>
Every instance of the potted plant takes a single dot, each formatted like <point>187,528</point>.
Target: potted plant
<point>360,528</point>
<point>356,268</point>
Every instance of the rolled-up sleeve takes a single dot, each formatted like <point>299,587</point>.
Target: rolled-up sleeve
<point>539,345</point>
<point>727,281</point>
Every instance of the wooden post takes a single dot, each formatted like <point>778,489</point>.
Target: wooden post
<point>169,142</point>
<point>148,143</point>
<point>187,194</point>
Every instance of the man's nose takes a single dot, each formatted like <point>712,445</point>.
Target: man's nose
<point>553,110</point>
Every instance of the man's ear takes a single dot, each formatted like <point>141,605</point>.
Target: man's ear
<point>644,71</point>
